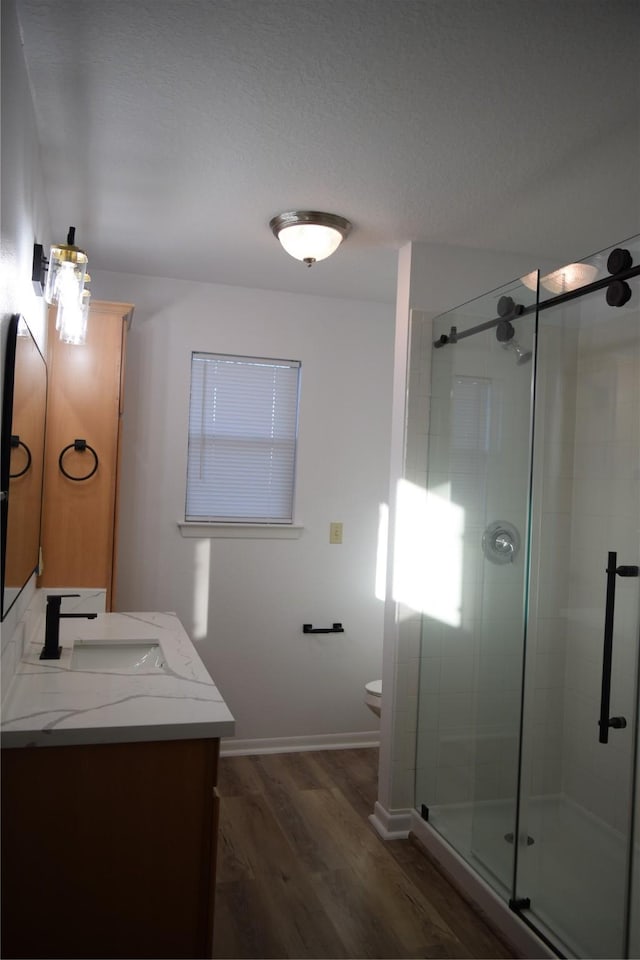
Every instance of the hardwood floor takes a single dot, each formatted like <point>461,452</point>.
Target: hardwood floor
<point>303,874</point>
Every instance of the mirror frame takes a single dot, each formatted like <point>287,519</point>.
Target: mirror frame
<point>8,392</point>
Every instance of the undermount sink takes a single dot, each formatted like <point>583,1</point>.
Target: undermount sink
<point>121,656</point>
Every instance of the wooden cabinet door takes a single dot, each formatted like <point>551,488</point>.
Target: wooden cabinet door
<point>108,850</point>
<point>83,402</point>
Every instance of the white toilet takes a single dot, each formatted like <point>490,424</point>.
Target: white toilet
<point>373,696</point>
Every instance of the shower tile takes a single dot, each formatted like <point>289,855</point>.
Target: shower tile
<point>512,667</point>
<point>412,714</point>
<point>425,779</point>
<point>541,703</point>
<point>546,774</point>
<point>491,749</point>
<point>440,417</point>
<point>614,759</point>
<point>622,490</point>
<point>413,677</point>
<point>457,642</point>
<point>557,494</point>
<point>549,636</point>
<point>490,678</point>
<point>552,594</point>
<point>549,670</point>
<point>592,499</point>
<point>587,677</point>
<point>456,709</point>
<point>431,639</point>
<point>402,676</point>
<point>579,710</point>
<point>501,635</point>
<point>558,459</point>
<point>454,785</point>
<point>456,750</point>
<point>590,463</point>
<point>488,782</point>
<point>429,713</point>
<point>555,544</point>
<point>412,634</point>
<point>579,746</point>
<point>507,602</point>
<point>456,675</point>
<point>430,676</point>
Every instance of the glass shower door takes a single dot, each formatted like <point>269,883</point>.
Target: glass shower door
<point>475,498</point>
<point>580,720</point>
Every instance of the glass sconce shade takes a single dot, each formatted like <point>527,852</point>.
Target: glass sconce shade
<point>309,235</point>
<point>71,322</point>
<point>66,273</point>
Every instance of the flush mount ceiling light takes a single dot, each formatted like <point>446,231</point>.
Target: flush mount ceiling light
<point>309,235</point>
<point>570,277</point>
<point>66,275</point>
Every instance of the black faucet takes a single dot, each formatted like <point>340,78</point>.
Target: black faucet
<point>52,649</point>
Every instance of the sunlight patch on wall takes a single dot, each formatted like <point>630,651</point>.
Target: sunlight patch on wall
<point>381,555</point>
<point>201,572</point>
<point>428,552</point>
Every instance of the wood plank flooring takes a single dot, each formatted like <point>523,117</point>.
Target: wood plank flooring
<point>303,874</point>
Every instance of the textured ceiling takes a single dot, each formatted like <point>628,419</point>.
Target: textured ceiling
<point>173,130</point>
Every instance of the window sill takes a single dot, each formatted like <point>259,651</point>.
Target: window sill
<point>241,531</point>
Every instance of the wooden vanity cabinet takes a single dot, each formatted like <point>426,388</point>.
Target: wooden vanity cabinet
<point>84,402</point>
<point>109,850</point>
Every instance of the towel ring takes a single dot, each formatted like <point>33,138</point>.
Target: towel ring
<point>78,445</point>
<point>17,442</point>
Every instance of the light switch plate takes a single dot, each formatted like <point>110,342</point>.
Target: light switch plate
<point>335,533</point>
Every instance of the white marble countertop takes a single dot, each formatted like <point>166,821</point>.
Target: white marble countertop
<point>51,704</point>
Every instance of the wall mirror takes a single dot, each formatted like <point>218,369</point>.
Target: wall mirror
<point>24,410</point>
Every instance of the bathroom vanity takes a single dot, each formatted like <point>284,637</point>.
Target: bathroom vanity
<point>109,808</point>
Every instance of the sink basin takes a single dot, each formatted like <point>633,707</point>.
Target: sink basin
<point>120,656</point>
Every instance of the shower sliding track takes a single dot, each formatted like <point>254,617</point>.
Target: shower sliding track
<point>521,311</point>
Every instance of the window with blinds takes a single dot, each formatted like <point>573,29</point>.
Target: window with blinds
<point>243,424</point>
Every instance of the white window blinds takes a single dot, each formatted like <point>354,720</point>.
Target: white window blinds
<point>243,418</point>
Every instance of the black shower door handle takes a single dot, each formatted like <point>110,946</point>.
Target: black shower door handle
<point>613,571</point>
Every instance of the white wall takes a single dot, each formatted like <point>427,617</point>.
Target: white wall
<point>24,219</point>
<point>244,601</point>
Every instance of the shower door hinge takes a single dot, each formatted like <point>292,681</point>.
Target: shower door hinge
<point>523,903</point>
<point>424,812</point>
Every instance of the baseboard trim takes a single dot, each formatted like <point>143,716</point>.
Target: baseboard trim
<point>231,747</point>
<point>391,824</point>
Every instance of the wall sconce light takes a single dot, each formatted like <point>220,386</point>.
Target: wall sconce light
<point>65,279</point>
<point>308,235</point>
<point>72,316</point>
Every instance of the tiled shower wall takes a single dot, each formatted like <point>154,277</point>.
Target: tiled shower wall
<point>605,516</point>
<point>586,502</point>
<point>478,443</point>
<point>550,557</point>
